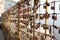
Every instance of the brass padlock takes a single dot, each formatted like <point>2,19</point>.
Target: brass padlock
<point>46,15</point>
<point>45,26</point>
<point>41,16</point>
<point>53,8</point>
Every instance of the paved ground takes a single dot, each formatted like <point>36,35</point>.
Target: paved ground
<point>1,35</point>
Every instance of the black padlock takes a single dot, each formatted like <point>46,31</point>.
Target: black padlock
<point>36,2</point>
<point>50,30</point>
<point>45,26</point>
<point>59,31</point>
<point>32,25</point>
<point>24,16</point>
<point>44,7</point>
<point>36,16</point>
<point>47,4</point>
<point>54,16</point>
<point>46,15</point>
<point>53,8</point>
<point>13,13</point>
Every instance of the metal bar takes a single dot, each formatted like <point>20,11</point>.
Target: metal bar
<point>53,20</point>
<point>46,20</point>
<point>18,23</point>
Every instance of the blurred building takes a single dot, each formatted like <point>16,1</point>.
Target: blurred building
<point>2,5</point>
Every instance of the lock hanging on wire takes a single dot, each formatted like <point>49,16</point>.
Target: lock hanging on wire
<point>59,31</point>
<point>46,15</point>
<point>46,4</point>
<point>41,16</point>
<point>54,16</point>
<point>36,2</point>
<point>52,6</point>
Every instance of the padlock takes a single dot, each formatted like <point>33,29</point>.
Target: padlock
<point>53,8</point>
<point>54,16</point>
<point>36,2</point>
<point>44,6</point>
<point>31,18</point>
<point>31,30</point>
<point>46,15</point>
<point>37,26</point>
<point>13,13</point>
<point>35,38</point>
<point>41,16</point>
<point>24,16</point>
<point>36,16</point>
<point>45,26</point>
<point>59,31</point>
<point>47,4</point>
